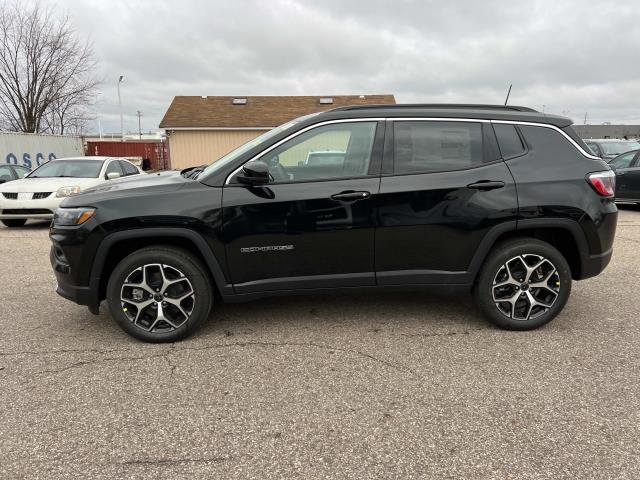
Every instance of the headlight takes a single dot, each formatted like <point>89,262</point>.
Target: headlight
<point>66,217</point>
<point>67,191</point>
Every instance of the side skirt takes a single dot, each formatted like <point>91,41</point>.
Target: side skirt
<point>438,289</point>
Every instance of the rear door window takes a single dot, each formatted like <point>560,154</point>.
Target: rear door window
<point>431,146</point>
<point>509,140</point>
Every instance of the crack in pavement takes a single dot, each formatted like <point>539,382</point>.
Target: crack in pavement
<point>443,334</point>
<point>174,461</point>
<point>173,349</point>
<point>172,365</point>
<point>100,360</point>
<point>71,350</point>
<point>400,368</point>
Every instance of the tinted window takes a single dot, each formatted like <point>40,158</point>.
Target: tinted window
<point>509,141</point>
<point>332,151</point>
<point>68,168</point>
<point>128,168</point>
<point>21,171</point>
<point>623,161</point>
<point>436,146</point>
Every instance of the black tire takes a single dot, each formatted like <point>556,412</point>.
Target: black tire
<point>172,260</point>
<point>15,222</point>
<point>494,269</point>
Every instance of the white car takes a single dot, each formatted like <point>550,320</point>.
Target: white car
<point>39,194</point>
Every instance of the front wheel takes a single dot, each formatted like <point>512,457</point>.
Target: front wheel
<point>14,222</point>
<point>159,294</point>
<point>523,285</point>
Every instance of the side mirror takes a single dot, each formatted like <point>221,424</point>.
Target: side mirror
<point>254,173</point>
<point>113,175</point>
<point>3,180</point>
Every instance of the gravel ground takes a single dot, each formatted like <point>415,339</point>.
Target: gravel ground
<point>353,386</point>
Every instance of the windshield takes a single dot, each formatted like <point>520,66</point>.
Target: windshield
<point>231,156</point>
<point>616,148</point>
<point>68,168</point>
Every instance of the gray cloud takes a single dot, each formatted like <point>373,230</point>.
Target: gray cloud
<point>571,56</point>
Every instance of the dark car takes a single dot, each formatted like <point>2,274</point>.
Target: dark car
<point>502,201</point>
<point>627,170</point>
<point>609,148</point>
<point>9,173</point>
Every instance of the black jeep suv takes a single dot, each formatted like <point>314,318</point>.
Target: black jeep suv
<point>502,201</point>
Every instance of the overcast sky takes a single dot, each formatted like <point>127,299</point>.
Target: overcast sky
<point>571,57</point>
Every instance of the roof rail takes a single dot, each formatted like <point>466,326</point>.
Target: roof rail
<point>440,106</point>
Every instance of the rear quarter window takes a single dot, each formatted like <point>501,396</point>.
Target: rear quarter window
<point>549,143</point>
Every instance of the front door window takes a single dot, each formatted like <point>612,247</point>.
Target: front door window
<point>335,151</point>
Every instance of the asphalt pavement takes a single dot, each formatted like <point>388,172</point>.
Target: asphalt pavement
<point>394,385</point>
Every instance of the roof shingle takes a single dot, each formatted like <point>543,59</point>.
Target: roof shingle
<point>266,111</point>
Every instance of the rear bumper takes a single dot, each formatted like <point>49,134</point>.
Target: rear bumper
<point>593,265</point>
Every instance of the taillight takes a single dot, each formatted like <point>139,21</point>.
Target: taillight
<point>604,183</point>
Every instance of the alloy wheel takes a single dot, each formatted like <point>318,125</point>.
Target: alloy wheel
<point>157,298</point>
<point>526,287</point>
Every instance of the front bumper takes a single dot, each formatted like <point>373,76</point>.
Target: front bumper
<point>22,209</point>
<point>82,295</point>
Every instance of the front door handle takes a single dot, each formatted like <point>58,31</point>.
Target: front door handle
<point>486,185</point>
<point>350,196</point>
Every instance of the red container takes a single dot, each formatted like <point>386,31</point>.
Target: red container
<point>155,154</point>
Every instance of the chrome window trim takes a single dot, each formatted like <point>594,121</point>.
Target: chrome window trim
<point>414,119</point>
<point>299,132</point>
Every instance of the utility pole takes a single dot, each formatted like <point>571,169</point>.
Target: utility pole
<point>585,117</point>
<point>120,79</point>
<point>139,113</point>
<point>508,93</point>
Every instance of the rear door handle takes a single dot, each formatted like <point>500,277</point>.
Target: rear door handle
<point>350,196</point>
<point>486,185</point>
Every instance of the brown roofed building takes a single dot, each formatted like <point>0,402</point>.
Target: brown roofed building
<point>203,129</point>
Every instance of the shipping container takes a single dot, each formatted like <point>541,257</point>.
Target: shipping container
<point>33,149</point>
<point>155,155</point>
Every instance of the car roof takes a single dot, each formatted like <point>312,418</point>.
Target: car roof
<point>102,159</point>
<point>448,110</point>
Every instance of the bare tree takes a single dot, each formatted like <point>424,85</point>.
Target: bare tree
<point>47,79</point>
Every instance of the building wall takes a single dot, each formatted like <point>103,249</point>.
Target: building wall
<point>189,148</point>
<point>608,131</point>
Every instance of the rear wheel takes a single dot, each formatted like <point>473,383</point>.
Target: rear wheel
<point>159,294</point>
<point>523,285</point>
<point>14,222</point>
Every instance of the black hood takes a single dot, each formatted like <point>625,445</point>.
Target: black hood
<point>129,187</point>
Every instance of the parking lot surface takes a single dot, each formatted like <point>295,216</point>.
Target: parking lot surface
<point>397,385</point>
